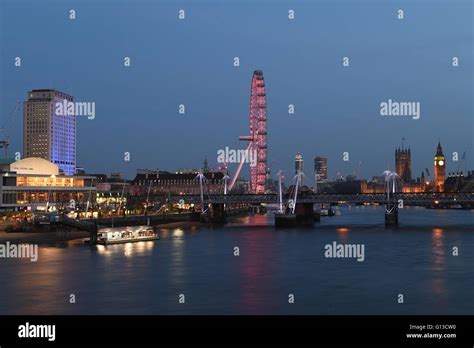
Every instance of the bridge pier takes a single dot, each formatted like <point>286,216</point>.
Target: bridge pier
<point>304,214</point>
<point>285,220</point>
<point>195,216</point>
<point>391,214</point>
<point>218,213</point>
<point>93,234</point>
<point>317,216</point>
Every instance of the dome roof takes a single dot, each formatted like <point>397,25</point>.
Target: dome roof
<point>34,165</point>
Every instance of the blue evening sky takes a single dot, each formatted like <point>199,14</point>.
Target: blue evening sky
<point>337,109</point>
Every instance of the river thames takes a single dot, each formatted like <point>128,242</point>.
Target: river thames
<point>415,260</point>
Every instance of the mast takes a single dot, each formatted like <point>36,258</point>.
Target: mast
<point>147,198</point>
<point>121,197</point>
<point>226,178</point>
<point>88,199</point>
<point>201,177</point>
<point>280,195</point>
<point>298,178</point>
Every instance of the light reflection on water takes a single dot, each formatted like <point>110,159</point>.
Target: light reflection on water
<point>438,261</point>
<point>128,249</point>
<point>178,259</point>
<point>146,277</point>
<point>342,233</point>
<point>256,273</point>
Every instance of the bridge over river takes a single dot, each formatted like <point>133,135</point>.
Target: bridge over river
<point>420,199</point>
<point>217,204</point>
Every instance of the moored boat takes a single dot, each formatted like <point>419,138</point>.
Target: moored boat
<point>118,235</point>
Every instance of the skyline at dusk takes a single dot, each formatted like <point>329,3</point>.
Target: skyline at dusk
<point>337,108</point>
<point>182,171</point>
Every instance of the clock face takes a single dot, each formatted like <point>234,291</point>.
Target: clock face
<point>435,162</point>
<point>441,163</point>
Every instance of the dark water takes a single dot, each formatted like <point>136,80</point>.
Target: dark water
<point>146,278</point>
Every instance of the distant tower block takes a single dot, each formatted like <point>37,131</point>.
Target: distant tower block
<point>299,164</point>
<point>46,134</point>
<point>321,168</point>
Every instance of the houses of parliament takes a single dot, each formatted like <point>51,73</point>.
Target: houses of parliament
<point>427,182</point>
<point>431,180</point>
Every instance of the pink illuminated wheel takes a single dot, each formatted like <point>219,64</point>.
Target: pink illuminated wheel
<point>258,131</point>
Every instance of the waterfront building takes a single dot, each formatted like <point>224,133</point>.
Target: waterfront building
<point>187,171</point>
<point>162,182</point>
<point>458,182</point>
<point>439,169</point>
<point>37,184</point>
<point>403,164</point>
<point>112,192</point>
<point>49,135</point>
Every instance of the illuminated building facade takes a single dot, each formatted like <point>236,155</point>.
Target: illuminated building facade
<point>321,168</point>
<point>161,182</point>
<point>439,169</point>
<point>45,133</point>
<point>403,164</point>
<point>112,192</point>
<point>458,182</point>
<point>299,164</point>
<point>37,184</point>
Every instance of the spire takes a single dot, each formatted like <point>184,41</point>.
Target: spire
<point>439,150</point>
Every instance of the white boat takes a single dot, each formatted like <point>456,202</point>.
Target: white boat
<point>117,235</point>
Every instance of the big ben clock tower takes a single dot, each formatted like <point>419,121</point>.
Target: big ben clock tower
<point>439,169</point>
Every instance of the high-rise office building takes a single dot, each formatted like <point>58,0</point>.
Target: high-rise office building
<point>321,168</point>
<point>299,167</point>
<point>48,134</point>
<point>403,164</point>
<point>298,163</point>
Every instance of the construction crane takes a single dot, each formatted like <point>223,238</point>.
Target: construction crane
<point>5,143</point>
<point>462,165</point>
